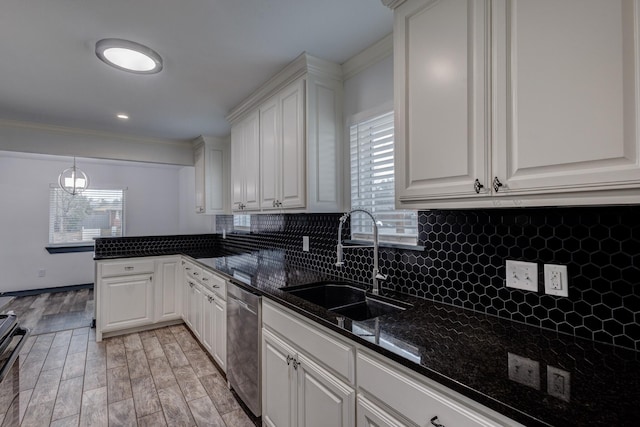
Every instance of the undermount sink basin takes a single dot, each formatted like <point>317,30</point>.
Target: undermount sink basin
<point>349,301</point>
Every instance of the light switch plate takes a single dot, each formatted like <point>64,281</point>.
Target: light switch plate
<point>305,243</point>
<point>556,280</point>
<point>522,275</point>
<point>524,370</point>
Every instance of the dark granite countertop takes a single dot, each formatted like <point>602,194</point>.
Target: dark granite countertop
<point>469,351</point>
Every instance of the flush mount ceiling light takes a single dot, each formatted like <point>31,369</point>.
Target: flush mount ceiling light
<point>73,180</point>
<point>129,56</point>
<point>123,116</point>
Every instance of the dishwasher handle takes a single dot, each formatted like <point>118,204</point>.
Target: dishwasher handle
<point>242,304</point>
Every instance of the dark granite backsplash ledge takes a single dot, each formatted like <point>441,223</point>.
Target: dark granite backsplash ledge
<point>463,263</point>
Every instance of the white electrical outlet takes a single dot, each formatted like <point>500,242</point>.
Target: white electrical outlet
<point>556,280</point>
<point>42,272</point>
<point>305,243</point>
<point>558,383</point>
<point>224,233</point>
<point>524,370</point>
<point>522,275</point>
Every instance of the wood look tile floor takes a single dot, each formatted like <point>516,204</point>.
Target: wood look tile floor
<point>161,377</point>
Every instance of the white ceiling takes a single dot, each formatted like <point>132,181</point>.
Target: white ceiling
<point>216,52</point>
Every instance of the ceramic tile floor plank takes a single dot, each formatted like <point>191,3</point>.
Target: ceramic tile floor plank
<point>116,355</point>
<point>138,365</point>
<point>237,418</point>
<point>152,347</point>
<point>153,420</point>
<point>132,342</point>
<point>62,338</point>
<point>95,374</point>
<point>165,336</point>
<point>81,331</point>
<point>145,396</point>
<point>71,421</point>
<point>46,388</point>
<point>38,415</point>
<point>122,414</point>
<point>74,366</point>
<point>29,373</point>
<point>189,383</point>
<point>96,350</point>
<point>78,344</point>
<point>175,355</point>
<point>69,399</point>
<point>200,363</point>
<point>26,348</point>
<point>186,341</point>
<point>220,395</point>
<point>94,408</point>
<point>55,358</point>
<point>162,374</point>
<point>15,412</point>
<point>175,408</point>
<point>118,384</point>
<point>205,413</point>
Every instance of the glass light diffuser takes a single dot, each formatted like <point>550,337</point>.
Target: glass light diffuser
<point>129,56</point>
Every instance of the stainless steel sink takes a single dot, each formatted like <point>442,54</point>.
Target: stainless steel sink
<point>349,301</point>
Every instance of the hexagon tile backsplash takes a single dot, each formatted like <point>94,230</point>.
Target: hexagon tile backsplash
<point>463,263</point>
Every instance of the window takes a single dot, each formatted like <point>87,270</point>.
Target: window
<point>372,184</point>
<point>79,219</point>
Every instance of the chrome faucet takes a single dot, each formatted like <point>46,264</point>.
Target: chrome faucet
<point>375,274</point>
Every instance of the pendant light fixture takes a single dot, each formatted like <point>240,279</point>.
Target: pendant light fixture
<point>73,180</point>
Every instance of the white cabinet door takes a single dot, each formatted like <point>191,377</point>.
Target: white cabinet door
<point>168,290</point>
<point>323,400</point>
<point>278,382</point>
<point>208,322</point>
<point>195,309</point>
<point>372,415</point>
<point>245,163</point>
<point>441,111</point>
<point>566,95</point>
<point>219,338</point>
<point>292,147</point>
<point>199,158</point>
<point>270,162</point>
<point>126,302</point>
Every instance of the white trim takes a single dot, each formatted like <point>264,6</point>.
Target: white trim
<point>385,108</point>
<point>392,4</point>
<point>375,53</point>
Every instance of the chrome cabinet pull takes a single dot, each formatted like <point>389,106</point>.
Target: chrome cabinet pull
<point>216,286</point>
<point>477,186</point>
<point>296,364</point>
<point>496,184</point>
<point>434,422</point>
<point>187,268</point>
<point>128,268</point>
<point>195,273</point>
<point>289,359</point>
<point>204,279</point>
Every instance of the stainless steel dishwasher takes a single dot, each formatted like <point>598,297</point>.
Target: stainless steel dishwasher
<point>244,323</point>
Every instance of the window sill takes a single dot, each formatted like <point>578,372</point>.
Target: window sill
<point>386,245</point>
<point>64,249</point>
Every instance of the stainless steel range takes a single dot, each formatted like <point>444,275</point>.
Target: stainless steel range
<point>12,339</point>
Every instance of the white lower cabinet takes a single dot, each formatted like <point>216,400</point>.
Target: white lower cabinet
<point>219,329</point>
<point>126,302</point>
<point>371,414</point>
<point>297,391</point>
<point>168,289</point>
<point>196,304</point>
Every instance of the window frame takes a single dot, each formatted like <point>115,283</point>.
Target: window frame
<point>358,237</point>
<point>81,245</point>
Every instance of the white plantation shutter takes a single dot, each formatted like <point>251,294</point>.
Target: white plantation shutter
<point>81,218</point>
<point>372,183</point>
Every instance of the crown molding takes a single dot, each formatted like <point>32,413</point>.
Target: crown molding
<point>297,68</point>
<point>378,51</point>
<point>392,4</point>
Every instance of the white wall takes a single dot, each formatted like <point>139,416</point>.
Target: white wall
<point>152,207</point>
<point>370,88</point>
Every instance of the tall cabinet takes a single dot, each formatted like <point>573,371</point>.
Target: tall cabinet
<point>516,102</point>
<point>295,140</point>
<point>211,161</point>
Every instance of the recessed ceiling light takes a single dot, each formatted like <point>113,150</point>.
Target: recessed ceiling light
<point>129,56</point>
<point>123,116</point>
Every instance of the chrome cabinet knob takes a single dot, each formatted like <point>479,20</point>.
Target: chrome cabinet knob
<point>477,186</point>
<point>496,184</point>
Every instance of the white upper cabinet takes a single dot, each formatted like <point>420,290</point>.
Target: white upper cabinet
<point>299,134</point>
<point>537,100</point>
<point>442,144</point>
<point>282,177</point>
<point>211,161</point>
<point>566,95</point>
<point>245,149</point>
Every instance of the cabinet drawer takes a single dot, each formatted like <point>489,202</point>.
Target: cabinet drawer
<point>332,352</point>
<point>215,283</point>
<point>110,269</point>
<point>193,272</point>
<point>420,401</point>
